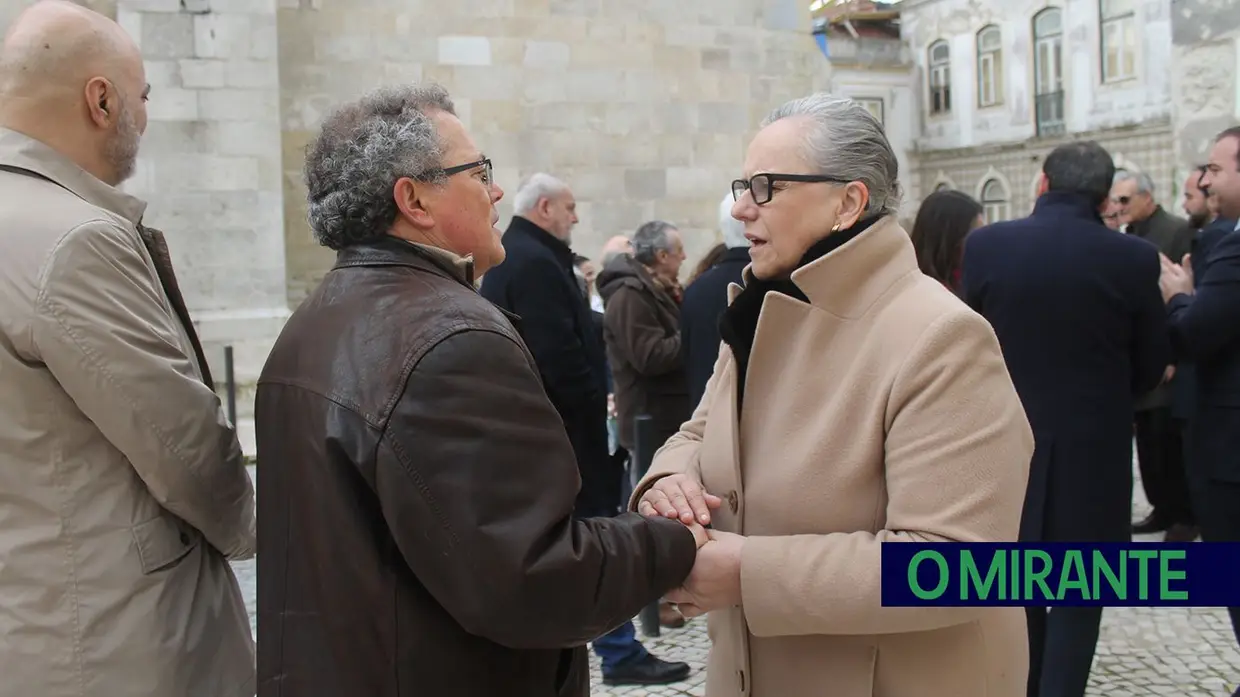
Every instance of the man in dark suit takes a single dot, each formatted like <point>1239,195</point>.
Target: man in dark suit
<point>1160,437</point>
<point>1077,311</point>
<point>1205,328</point>
<point>537,282</point>
<point>706,299</point>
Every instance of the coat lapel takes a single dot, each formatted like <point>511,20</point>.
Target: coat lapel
<point>157,246</point>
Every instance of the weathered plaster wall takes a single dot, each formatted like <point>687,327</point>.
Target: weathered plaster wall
<point>896,87</point>
<point>1090,105</point>
<point>1205,69</point>
<point>644,108</point>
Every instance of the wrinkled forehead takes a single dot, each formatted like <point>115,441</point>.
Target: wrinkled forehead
<point>459,146</point>
<point>779,148</point>
<point>1125,187</point>
<point>1224,154</point>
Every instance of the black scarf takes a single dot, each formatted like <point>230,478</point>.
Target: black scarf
<point>739,323</point>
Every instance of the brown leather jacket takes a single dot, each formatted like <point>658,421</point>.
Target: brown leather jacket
<point>641,327</point>
<point>415,494</point>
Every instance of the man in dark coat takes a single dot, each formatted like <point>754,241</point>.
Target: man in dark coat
<point>1205,328</point>
<point>416,493</point>
<point>538,283</point>
<point>706,299</point>
<point>1077,311</point>
<point>1160,437</point>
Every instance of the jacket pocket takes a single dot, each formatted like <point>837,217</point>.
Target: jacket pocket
<point>161,543</point>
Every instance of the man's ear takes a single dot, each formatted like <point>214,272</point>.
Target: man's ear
<point>102,101</point>
<point>409,201</point>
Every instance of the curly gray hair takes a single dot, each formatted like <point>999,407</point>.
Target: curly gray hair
<point>651,238</point>
<point>846,141</point>
<point>363,147</point>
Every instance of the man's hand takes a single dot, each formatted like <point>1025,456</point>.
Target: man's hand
<point>1175,278</point>
<point>1168,374</point>
<point>715,581</point>
<point>678,496</point>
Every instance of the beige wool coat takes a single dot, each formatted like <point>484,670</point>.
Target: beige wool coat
<point>879,412</point>
<point>123,491</point>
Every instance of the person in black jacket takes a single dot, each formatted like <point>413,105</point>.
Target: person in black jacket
<point>705,300</point>
<point>1160,440</point>
<point>1205,328</point>
<point>537,282</point>
<point>1077,311</point>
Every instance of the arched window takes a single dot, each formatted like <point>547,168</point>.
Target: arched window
<point>940,78</point>
<point>989,66</point>
<point>1048,71</point>
<point>995,200</point>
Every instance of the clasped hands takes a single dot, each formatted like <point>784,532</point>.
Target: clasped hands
<point>715,581</point>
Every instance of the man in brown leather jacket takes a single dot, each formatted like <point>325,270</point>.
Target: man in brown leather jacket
<point>417,486</point>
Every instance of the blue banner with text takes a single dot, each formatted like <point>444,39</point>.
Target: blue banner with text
<point>1199,574</point>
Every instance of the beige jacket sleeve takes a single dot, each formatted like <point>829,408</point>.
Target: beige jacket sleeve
<point>958,451</point>
<point>104,332</point>
<point>680,454</point>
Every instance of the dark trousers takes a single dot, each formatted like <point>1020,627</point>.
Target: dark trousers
<point>1160,457</point>
<point>1061,649</point>
<point>620,645</point>
<point>1217,504</point>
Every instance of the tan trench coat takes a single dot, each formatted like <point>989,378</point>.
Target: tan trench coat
<point>122,486</point>
<point>881,411</point>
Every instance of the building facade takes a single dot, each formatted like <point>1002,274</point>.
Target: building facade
<point>645,114</point>
<point>1001,84</point>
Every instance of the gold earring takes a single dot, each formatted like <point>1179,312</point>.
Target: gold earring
<point>835,228</point>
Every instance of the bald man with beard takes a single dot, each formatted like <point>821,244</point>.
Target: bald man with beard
<point>123,491</point>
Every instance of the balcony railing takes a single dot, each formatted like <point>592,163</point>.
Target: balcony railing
<point>1048,110</point>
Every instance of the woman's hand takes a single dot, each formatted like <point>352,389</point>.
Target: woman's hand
<point>715,581</point>
<point>678,496</point>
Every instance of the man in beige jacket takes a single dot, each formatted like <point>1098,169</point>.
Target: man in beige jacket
<point>122,487</point>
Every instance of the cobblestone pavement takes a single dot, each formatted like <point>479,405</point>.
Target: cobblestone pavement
<point>1188,652</point>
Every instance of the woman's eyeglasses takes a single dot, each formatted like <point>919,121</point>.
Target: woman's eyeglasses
<point>761,186</point>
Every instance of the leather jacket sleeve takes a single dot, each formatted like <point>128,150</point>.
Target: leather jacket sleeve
<point>477,479</point>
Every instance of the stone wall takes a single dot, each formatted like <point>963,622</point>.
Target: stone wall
<point>1205,68</point>
<point>643,108</point>
<point>210,166</point>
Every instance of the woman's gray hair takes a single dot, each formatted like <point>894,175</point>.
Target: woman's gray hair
<point>363,147</point>
<point>844,140</point>
<point>650,238</point>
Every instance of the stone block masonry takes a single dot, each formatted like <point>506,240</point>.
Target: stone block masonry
<point>645,109</point>
<point>210,168</point>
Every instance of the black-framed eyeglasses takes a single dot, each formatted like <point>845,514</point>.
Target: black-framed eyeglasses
<point>487,176</point>
<point>761,186</point>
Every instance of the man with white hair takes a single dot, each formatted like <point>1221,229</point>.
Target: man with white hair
<point>706,299</point>
<point>1159,436</point>
<point>537,282</point>
<point>125,491</point>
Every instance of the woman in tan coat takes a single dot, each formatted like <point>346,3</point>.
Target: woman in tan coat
<point>855,402</point>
